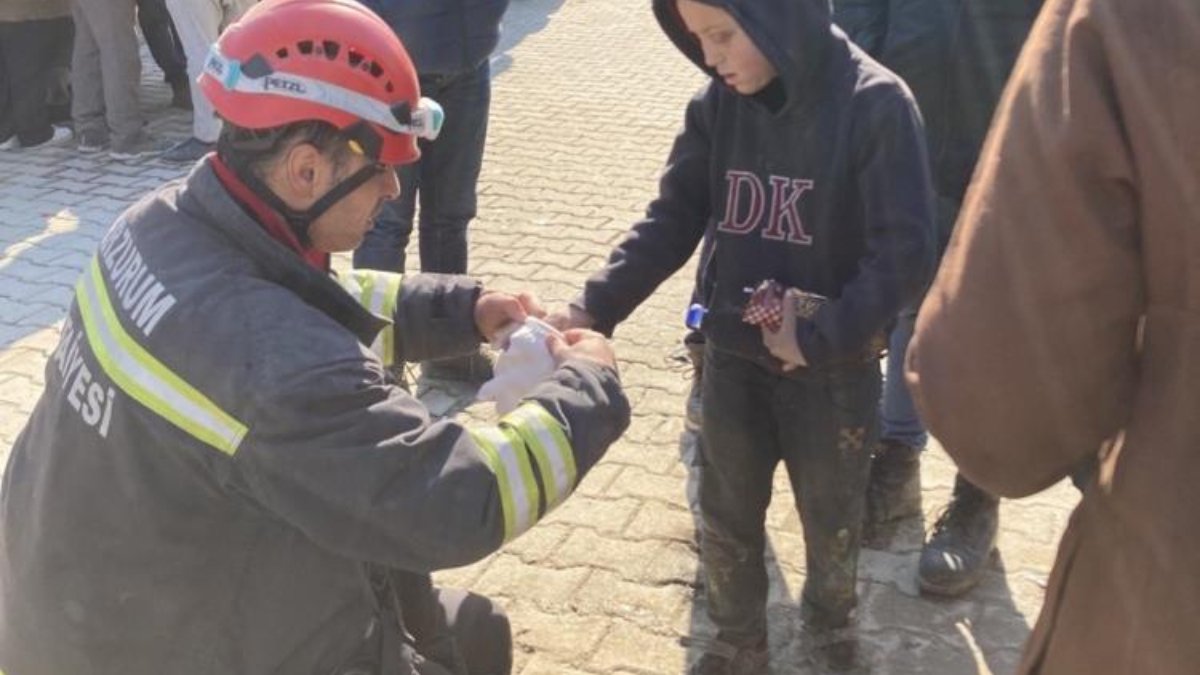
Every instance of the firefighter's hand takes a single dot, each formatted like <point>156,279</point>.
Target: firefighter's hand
<point>570,317</point>
<point>495,310</point>
<point>782,343</point>
<point>579,343</point>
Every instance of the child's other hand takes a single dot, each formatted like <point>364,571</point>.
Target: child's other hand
<point>581,344</point>
<point>569,317</point>
<point>782,343</point>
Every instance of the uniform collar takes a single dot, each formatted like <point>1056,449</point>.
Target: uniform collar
<point>266,216</point>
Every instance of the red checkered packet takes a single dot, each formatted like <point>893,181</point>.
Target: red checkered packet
<point>765,306</point>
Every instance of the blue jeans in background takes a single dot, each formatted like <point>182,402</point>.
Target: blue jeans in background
<point>444,180</point>
<point>897,413</point>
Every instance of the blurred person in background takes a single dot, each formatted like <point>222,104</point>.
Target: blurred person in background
<point>32,34</point>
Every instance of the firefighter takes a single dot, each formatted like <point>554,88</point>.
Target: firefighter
<point>221,475</point>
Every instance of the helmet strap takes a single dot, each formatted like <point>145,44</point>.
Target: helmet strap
<point>301,221</point>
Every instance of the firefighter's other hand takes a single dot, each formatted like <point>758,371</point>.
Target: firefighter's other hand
<point>782,343</point>
<point>579,343</point>
<point>570,317</point>
<point>495,310</point>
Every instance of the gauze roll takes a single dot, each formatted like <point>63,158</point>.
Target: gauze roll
<point>523,362</point>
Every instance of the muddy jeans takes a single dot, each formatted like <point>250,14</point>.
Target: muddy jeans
<point>821,425</point>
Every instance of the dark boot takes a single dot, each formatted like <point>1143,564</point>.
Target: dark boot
<point>474,368</point>
<point>722,658</point>
<point>694,343</point>
<point>957,552</point>
<point>894,489</point>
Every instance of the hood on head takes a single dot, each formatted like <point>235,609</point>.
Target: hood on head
<point>795,35</point>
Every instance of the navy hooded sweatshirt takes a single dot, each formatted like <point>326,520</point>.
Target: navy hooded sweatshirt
<point>826,188</point>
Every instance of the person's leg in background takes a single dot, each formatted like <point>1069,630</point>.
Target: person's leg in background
<point>8,127</point>
<point>450,171</point>
<point>87,84</point>
<point>894,491</point>
<point>112,27</point>
<point>199,23</point>
<point>827,425</point>
<point>449,176</point>
<point>27,48</point>
<point>165,48</point>
<point>58,77</point>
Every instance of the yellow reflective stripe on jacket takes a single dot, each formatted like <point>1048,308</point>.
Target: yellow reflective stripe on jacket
<point>144,377</point>
<point>548,443</point>
<point>378,293</point>
<point>505,454</point>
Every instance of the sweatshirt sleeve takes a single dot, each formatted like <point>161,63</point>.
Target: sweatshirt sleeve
<point>894,189</point>
<point>360,468</point>
<point>1024,359</point>
<point>661,243</point>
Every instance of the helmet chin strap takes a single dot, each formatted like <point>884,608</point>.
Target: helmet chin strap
<point>301,221</point>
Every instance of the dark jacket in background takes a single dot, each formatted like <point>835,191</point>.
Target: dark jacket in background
<point>956,56</point>
<point>444,36</point>
<point>827,191</point>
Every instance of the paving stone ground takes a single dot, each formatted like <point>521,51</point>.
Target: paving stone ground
<point>588,95</point>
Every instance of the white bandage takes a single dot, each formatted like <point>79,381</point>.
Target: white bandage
<point>523,363</point>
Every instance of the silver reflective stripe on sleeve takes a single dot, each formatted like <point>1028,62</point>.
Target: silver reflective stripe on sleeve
<point>506,457</point>
<point>530,456</point>
<point>378,293</point>
<point>145,378</point>
<point>548,443</point>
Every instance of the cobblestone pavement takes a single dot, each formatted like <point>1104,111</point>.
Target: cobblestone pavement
<point>588,95</point>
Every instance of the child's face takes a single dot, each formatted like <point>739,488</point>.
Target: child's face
<point>727,49</point>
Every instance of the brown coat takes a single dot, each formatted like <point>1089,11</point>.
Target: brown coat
<point>29,10</point>
<point>1067,313</point>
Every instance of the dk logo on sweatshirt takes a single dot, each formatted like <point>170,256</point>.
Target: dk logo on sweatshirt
<point>746,204</point>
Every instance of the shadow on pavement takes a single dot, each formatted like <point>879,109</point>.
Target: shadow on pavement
<point>900,631</point>
<point>523,18</point>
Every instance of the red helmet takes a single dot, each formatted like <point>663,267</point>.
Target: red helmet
<point>289,61</point>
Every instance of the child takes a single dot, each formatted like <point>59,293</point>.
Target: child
<point>801,161</point>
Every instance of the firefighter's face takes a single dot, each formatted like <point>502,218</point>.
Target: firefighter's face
<point>344,225</point>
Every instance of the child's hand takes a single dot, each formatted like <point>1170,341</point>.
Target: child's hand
<point>569,317</point>
<point>581,344</point>
<point>782,342</point>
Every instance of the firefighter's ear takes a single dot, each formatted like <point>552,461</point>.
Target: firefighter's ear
<point>301,172</point>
